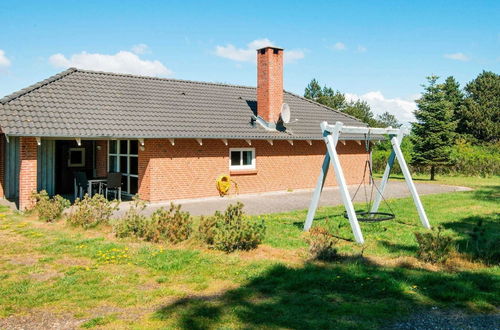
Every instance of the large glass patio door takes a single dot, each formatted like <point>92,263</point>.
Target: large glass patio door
<point>122,157</point>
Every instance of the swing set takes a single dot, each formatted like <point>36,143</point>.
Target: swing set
<point>331,134</point>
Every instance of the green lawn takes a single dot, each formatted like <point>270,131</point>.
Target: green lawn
<point>94,280</point>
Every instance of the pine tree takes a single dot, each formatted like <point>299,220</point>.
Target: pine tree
<point>326,95</point>
<point>388,119</point>
<point>434,129</point>
<point>479,116</point>
<point>453,94</point>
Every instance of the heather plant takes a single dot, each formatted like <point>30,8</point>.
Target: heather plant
<point>92,211</point>
<point>49,209</point>
<point>231,230</point>
<point>322,244</point>
<point>434,246</point>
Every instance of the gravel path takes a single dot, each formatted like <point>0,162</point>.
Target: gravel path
<point>282,201</point>
<point>448,319</point>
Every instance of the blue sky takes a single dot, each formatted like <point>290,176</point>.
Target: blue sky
<point>380,51</point>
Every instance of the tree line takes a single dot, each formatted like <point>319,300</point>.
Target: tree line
<point>446,115</point>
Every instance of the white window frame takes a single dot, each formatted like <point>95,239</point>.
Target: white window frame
<point>127,154</point>
<point>242,167</point>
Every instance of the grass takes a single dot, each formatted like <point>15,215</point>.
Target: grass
<point>96,280</point>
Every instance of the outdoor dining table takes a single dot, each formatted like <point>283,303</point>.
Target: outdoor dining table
<point>91,183</point>
<point>95,181</point>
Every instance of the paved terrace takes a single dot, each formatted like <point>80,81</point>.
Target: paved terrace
<point>284,201</point>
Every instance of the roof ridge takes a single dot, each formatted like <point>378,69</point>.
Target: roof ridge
<point>164,79</point>
<point>39,84</point>
<point>324,106</point>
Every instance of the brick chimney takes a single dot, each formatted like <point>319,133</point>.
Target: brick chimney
<point>269,83</point>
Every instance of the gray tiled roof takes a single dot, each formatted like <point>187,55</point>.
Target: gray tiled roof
<point>88,104</point>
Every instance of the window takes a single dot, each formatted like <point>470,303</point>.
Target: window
<point>242,158</point>
<point>122,157</point>
<point>76,157</point>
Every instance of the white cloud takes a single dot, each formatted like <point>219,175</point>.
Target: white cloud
<point>4,61</point>
<point>121,62</point>
<point>248,54</point>
<point>339,46</point>
<point>457,57</point>
<point>402,109</point>
<point>361,49</point>
<point>140,49</point>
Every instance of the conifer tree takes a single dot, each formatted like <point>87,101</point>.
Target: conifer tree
<point>433,132</point>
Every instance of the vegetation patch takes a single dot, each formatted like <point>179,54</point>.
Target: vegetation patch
<point>231,230</point>
<point>49,208</point>
<point>434,246</point>
<point>91,211</point>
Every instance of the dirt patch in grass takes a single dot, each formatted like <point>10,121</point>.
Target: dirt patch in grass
<point>45,276</point>
<point>35,320</point>
<point>272,253</point>
<point>25,260</point>
<point>456,262</point>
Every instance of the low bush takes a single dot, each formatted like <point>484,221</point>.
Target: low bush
<point>133,223</point>
<point>322,245</point>
<point>434,246</point>
<point>483,247</point>
<point>49,209</point>
<point>231,230</point>
<point>92,211</point>
<point>171,225</point>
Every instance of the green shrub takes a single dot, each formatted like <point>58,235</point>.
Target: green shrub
<point>433,246</point>
<point>484,248</point>
<point>49,209</point>
<point>322,245</point>
<point>465,159</point>
<point>474,160</point>
<point>133,223</point>
<point>92,211</point>
<point>231,230</point>
<point>207,229</point>
<point>171,225</point>
<point>382,151</point>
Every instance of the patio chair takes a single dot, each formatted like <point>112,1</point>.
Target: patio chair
<point>114,183</point>
<point>81,184</point>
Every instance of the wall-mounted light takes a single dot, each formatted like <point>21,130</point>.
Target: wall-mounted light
<point>142,148</point>
<point>98,147</point>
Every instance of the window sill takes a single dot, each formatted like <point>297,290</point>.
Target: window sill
<point>242,172</point>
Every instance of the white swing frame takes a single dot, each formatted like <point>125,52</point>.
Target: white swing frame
<point>331,134</point>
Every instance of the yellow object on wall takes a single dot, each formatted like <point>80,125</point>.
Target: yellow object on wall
<point>223,184</point>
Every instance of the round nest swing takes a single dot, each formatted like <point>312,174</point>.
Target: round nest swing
<point>367,215</point>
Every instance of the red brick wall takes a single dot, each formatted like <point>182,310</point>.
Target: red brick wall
<point>188,170</point>
<point>2,165</point>
<point>101,158</point>
<point>27,171</point>
<point>269,84</point>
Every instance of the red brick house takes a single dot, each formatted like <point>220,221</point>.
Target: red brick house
<point>169,138</point>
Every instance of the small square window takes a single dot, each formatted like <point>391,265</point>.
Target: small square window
<point>76,157</point>
<point>242,159</point>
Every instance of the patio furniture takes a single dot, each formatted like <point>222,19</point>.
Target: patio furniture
<point>96,181</point>
<point>114,183</point>
<point>81,184</point>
